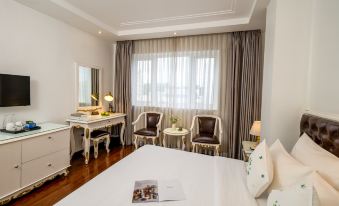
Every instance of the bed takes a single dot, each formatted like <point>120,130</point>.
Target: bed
<point>206,180</point>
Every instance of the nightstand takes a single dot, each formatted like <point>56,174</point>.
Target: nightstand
<point>247,149</point>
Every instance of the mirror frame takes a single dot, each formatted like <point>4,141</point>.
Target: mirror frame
<point>88,108</point>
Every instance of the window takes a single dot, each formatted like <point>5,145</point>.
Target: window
<point>186,80</point>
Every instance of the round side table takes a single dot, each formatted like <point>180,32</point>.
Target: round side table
<point>175,132</point>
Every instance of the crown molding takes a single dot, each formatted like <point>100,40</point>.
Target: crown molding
<point>173,18</point>
<point>69,7</point>
<point>183,17</point>
<point>181,27</point>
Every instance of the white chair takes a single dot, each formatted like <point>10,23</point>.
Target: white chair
<point>204,132</point>
<point>152,129</point>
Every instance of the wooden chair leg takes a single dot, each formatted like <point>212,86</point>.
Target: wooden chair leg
<point>96,144</point>
<point>136,142</point>
<point>193,148</point>
<point>108,140</point>
<point>153,141</point>
<point>217,149</point>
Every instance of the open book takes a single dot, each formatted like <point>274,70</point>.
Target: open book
<point>157,191</point>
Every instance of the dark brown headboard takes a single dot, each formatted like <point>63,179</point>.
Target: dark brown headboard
<point>324,132</point>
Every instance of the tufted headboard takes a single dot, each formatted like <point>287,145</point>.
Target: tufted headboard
<point>324,132</point>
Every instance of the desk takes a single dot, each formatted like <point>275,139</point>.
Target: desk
<point>92,123</point>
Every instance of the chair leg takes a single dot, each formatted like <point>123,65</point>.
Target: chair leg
<point>193,148</point>
<point>217,150</point>
<point>108,140</point>
<point>96,143</point>
<point>136,142</point>
<point>153,141</point>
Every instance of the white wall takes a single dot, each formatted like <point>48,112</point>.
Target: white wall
<point>37,45</point>
<point>301,66</point>
<point>324,73</point>
<point>286,66</point>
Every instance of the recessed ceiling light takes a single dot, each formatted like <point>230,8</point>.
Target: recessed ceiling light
<point>99,32</point>
<point>175,33</point>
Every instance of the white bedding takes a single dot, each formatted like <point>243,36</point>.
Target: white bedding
<point>206,180</point>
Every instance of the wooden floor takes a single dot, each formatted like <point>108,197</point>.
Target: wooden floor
<point>53,191</point>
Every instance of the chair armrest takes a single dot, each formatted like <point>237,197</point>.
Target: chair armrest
<point>192,128</point>
<point>192,125</point>
<point>137,120</point>
<point>159,125</point>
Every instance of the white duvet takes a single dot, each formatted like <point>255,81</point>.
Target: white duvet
<point>206,180</point>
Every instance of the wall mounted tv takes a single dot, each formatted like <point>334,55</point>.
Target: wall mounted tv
<point>14,90</point>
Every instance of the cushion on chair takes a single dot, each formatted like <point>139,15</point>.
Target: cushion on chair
<point>98,133</point>
<point>152,120</point>
<point>206,125</point>
<point>206,138</point>
<point>147,132</point>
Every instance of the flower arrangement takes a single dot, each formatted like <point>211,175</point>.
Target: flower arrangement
<point>174,119</point>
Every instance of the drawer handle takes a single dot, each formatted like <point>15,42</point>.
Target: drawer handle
<point>16,166</point>
<point>49,165</point>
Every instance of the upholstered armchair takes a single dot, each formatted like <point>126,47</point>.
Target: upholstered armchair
<point>206,131</point>
<point>152,127</point>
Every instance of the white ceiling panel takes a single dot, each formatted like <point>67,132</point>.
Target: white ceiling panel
<point>133,19</point>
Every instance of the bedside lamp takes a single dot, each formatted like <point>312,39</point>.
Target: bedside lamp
<point>109,98</point>
<point>255,130</point>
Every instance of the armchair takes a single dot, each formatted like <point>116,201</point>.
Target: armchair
<point>204,132</point>
<point>152,127</point>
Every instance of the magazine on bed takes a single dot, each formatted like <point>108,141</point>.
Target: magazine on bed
<point>157,191</point>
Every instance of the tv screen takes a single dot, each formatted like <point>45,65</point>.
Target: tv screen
<point>14,90</point>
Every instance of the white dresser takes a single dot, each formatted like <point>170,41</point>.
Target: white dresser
<point>29,159</point>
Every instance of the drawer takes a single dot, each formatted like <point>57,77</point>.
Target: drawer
<point>45,144</point>
<point>10,168</point>
<point>38,169</point>
<point>105,123</point>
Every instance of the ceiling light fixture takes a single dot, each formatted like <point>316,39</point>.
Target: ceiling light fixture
<point>175,33</point>
<point>99,32</point>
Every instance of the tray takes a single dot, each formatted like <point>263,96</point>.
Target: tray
<point>21,131</point>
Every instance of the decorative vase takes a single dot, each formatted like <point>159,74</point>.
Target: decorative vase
<point>174,126</point>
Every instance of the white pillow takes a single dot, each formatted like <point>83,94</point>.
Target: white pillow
<point>310,154</point>
<point>259,170</point>
<point>287,170</point>
<point>300,195</point>
<point>328,196</point>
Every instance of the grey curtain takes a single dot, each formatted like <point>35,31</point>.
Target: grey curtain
<point>122,89</point>
<point>244,83</point>
<point>95,85</point>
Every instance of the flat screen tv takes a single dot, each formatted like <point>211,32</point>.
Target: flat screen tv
<point>14,90</point>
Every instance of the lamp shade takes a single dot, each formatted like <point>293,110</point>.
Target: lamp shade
<point>108,97</point>
<point>255,129</point>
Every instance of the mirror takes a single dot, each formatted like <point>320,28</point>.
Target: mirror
<point>88,87</point>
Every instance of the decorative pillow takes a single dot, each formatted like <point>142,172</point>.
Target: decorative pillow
<point>300,195</point>
<point>310,154</point>
<point>259,170</point>
<point>287,170</point>
<point>328,196</point>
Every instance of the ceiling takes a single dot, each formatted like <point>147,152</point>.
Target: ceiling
<point>138,19</point>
